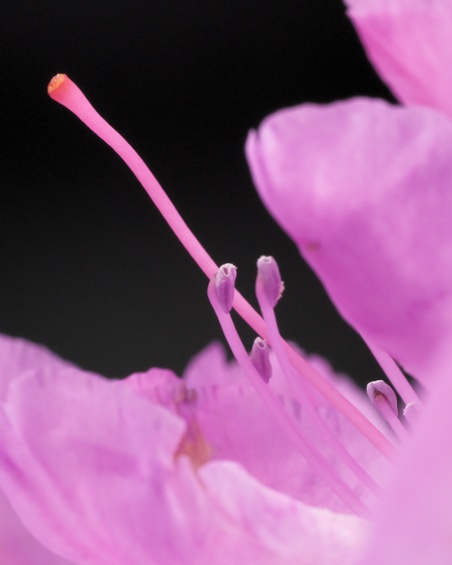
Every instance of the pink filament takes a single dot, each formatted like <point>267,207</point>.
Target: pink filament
<point>67,93</point>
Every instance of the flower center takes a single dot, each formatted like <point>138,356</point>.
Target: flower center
<point>193,443</point>
<point>162,387</point>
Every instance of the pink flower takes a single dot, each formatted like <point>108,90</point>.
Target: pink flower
<point>269,459</point>
<point>363,188</point>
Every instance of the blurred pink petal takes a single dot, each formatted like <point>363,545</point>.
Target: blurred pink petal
<point>289,531</point>
<point>363,188</point>
<point>17,355</point>
<point>409,43</point>
<point>108,473</point>
<point>18,546</point>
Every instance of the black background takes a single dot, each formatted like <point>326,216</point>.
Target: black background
<point>88,267</point>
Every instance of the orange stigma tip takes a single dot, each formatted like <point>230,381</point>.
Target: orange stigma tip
<point>56,82</point>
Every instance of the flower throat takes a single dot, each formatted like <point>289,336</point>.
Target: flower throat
<point>303,379</point>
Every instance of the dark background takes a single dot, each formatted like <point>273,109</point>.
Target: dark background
<point>88,267</point>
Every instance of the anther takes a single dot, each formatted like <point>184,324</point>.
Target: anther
<point>224,282</point>
<point>379,392</point>
<point>384,399</point>
<point>260,356</point>
<point>268,271</point>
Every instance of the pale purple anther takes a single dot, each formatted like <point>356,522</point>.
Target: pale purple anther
<point>379,390</point>
<point>224,282</point>
<point>260,356</point>
<point>268,271</point>
<point>384,399</point>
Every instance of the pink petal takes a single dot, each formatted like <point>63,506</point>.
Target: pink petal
<point>414,524</point>
<point>18,546</point>
<point>409,43</point>
<point>363,188</point>
<point>90,468</point>
<point>17,355</point>
<point>290,531</point>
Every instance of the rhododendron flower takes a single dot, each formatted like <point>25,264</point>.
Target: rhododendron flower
<point>270,458</point>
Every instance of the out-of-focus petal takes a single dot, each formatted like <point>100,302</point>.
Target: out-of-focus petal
<point>414,522</point>
<point>18,355</point>
<point>289,531</point>
<point>18,546</point>
<point>363,188</point>
<point>409,43</point>
<point>90,468</point>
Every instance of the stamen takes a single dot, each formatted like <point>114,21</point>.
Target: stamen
<point>314,458</point>
<point>271,278</point>
<point>394,374</point>
<point>299,387</point>
<point>224,282</point>
<point>261,358</point>
<point>67,93</point>
<point>384,399</point>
